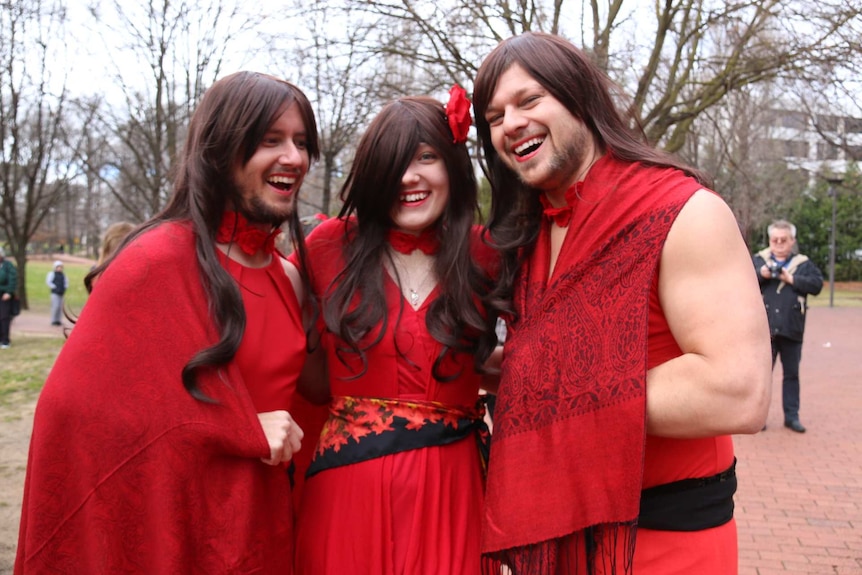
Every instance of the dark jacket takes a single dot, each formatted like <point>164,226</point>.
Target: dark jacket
<point>786,304</point>
<point>8,277</point>
<point>58,283</point>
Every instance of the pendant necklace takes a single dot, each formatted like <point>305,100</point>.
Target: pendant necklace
<point>414,293</point>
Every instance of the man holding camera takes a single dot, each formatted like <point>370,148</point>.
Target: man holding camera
<point>786,279</point>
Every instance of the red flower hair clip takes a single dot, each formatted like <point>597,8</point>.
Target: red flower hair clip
<point>458,114</point>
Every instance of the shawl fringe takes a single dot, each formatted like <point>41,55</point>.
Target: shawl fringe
<point>599,550</point>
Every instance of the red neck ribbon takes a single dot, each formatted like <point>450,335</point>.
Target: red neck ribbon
<point>561,216</point>
<point>250,238</point>
<point>407,243</point>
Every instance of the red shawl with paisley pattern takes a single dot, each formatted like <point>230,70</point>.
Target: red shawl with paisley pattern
<point>569,425</point>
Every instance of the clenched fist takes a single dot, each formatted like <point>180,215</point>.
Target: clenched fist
<point>283,435</point>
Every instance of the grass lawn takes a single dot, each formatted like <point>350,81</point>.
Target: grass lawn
<point>25,366</point>
<point>27,363</point>
<point>40,295</point>
<point>847,294</point>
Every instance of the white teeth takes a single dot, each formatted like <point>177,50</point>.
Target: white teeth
<point>531,142</point>
<point>414,197</point>
<point>281,180</point>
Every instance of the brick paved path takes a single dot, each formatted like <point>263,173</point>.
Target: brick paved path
<point>799,503</point>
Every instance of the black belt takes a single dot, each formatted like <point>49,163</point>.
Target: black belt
<point>689,504</point>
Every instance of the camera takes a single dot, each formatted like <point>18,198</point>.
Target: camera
<point>774,269</point>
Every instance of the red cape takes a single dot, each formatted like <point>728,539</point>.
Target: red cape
<point>127,472</point>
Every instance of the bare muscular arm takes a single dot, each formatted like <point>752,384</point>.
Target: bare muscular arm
<point>721,383</point>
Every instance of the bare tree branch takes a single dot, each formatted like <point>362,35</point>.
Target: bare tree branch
<point>34,164</point>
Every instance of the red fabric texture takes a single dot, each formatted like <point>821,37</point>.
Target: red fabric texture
<point>418,511</point>
<point>127,472</point>
<point>581,417</point>
<point>272,313</point>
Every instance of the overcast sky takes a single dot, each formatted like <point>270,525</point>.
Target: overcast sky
<point>91,66</point>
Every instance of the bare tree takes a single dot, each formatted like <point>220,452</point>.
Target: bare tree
<point>445,41</point>
<point>34,164</point>
<point>678,60</point>
<point>830,96</point>
<point>705,50</point>
<point>739,144</point>
<point>342,78</point>
<point>96,160</point>
<point>168,53</point>
<point>770,126</point>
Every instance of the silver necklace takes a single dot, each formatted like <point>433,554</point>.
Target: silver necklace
<point>413,293</point>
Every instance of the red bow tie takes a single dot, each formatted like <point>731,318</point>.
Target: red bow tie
<point>407,243</point>
<point>560,216</point>
<point>235,228</point>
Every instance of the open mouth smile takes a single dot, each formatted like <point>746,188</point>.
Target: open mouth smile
<point>413,197</point>
<point>283,183</point>
<point>528,147</point>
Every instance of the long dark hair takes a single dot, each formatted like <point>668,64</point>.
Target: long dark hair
<point>227,126</point>
<point>583,89</point>
<point>456,318</point>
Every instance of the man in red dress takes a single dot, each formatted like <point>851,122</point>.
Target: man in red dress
<point>632,353</point>
<point>160,437</point>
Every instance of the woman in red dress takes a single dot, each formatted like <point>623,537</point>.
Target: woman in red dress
<point>396,484</point>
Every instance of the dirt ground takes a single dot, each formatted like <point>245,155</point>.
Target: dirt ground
<point>15,428</point>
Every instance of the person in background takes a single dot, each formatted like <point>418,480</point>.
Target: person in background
<point>786,280</point>
<point>396,482</point>
<point>161,435</point>
<point>112,238</point>
<point>8,291</point>
<point>638,343</point>
<point>58,283</point>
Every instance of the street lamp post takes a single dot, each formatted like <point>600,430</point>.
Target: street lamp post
<point>833,193</point>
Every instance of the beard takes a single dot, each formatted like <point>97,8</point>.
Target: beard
<point>567,164</point>
<point>257,211</point>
